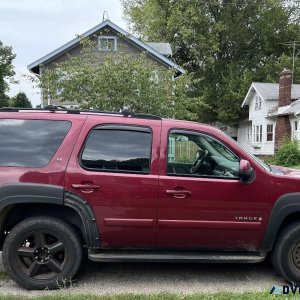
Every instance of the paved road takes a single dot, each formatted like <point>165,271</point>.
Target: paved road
<point>110,278</point>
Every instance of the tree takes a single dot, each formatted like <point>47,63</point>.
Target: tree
<point>4,101</point>
<point>118,81</point>
<point>6,68</point>
<point>225,44</point>
<point>21,100</point>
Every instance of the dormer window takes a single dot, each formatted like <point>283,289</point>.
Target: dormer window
<point>257,103</point>
<point>107,43</point>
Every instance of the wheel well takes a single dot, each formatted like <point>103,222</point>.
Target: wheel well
<point>14,214</point>
<point>291,218</point>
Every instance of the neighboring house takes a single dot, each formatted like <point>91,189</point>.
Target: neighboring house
<point>273,110</point>
<point>109,37</point>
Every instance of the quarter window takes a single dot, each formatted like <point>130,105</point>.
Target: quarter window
<point>30,143</point>
<point>118,150</point>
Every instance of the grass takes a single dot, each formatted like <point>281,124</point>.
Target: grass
<point>164,296</point>
<point>4,276</point>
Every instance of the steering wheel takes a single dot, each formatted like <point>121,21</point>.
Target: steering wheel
<point>199,161</point>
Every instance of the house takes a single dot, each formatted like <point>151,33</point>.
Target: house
<point>274,114</point>
<point>109,38</point>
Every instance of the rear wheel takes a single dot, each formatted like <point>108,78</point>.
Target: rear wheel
<point>286,254</point>
<point>42,252</point>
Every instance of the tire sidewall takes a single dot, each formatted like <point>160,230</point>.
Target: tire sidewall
<point>285,259</point>
<point>63,232</point>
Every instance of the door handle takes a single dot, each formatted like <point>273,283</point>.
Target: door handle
<point>85,187</point>
<point>180,194</point>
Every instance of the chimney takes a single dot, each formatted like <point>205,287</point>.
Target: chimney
<point>283,125</point>
<point>285,88</point>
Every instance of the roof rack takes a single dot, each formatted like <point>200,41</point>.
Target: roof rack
<point>53,109</point>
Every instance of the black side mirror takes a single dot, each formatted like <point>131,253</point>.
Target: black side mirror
<point>245,171</point>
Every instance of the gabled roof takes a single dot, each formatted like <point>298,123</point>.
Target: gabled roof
<point>34,67</point>
<point>162,48</point>
<point>268,91</point>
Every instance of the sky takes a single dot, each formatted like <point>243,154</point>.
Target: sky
<point>36,27</point>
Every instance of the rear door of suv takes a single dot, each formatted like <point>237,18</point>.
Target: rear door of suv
<point>114,167</point>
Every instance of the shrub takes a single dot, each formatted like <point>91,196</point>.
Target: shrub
<point>288,154</point>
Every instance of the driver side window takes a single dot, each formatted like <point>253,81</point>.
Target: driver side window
<point>197,155</point>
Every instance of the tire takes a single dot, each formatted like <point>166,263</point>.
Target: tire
<point>42,252</point>
<point>285,256</point>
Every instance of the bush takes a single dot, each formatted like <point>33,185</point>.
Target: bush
<point>288,154</point>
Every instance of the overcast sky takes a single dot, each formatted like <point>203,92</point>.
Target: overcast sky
<point>36,27</point>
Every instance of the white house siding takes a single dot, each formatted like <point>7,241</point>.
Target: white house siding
<point>258,117</point>
<point>242,138</point>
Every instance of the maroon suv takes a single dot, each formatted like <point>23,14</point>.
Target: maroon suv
<point>131,187</point>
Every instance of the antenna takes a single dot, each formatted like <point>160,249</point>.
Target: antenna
<point>105,16</point>
<point>293,44</point>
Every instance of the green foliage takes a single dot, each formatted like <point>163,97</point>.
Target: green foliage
<point>288,154</point>
<point>226,45</point>
<point>4,101</point>
<point>6,69</point>
<point>21,100</point>
<point>110,81</point>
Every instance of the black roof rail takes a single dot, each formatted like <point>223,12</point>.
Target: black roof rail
<point>52,109</point>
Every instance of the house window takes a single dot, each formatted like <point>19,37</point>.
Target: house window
<point>249,133</point>
<point>270,132</point>
<point>257,133</point>
<point>295,129</point>
<point>107,43</point>
<point>257,103</point>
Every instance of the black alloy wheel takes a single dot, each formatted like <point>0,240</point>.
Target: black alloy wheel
<point>42,252</point>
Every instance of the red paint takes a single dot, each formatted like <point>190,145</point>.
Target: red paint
<point>129,222</point>
<point>157,210</point>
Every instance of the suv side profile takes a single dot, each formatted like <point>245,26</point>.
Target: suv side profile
<point>131,187</point>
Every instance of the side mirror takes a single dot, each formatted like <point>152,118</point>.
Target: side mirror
<point>245,171</point>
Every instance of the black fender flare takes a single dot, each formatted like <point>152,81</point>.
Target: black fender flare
<point>30,193</point>
<point>21,193</point>
<point>284,206</point>
<point>84,210</point>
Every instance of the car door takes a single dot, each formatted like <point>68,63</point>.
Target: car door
<point>114,167</point>
<point>203,203</point>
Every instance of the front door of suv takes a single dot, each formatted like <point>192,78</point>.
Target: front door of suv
<point>202,202</point>
<point>114,167</point>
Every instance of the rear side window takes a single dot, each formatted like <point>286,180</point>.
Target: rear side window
<point>118,149</point>
<point>30,143</point>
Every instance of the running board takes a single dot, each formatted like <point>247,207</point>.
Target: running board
<point>172,256</point>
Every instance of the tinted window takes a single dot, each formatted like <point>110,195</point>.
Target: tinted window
<point>30,143</point>
<point>118,150</point>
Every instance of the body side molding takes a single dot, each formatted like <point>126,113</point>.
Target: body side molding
<point>284,206</point>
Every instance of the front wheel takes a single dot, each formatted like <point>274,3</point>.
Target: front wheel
<point>42,252</point>
<point>286,253</point>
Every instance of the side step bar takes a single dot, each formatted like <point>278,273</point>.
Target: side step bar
<point>172,256</point>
